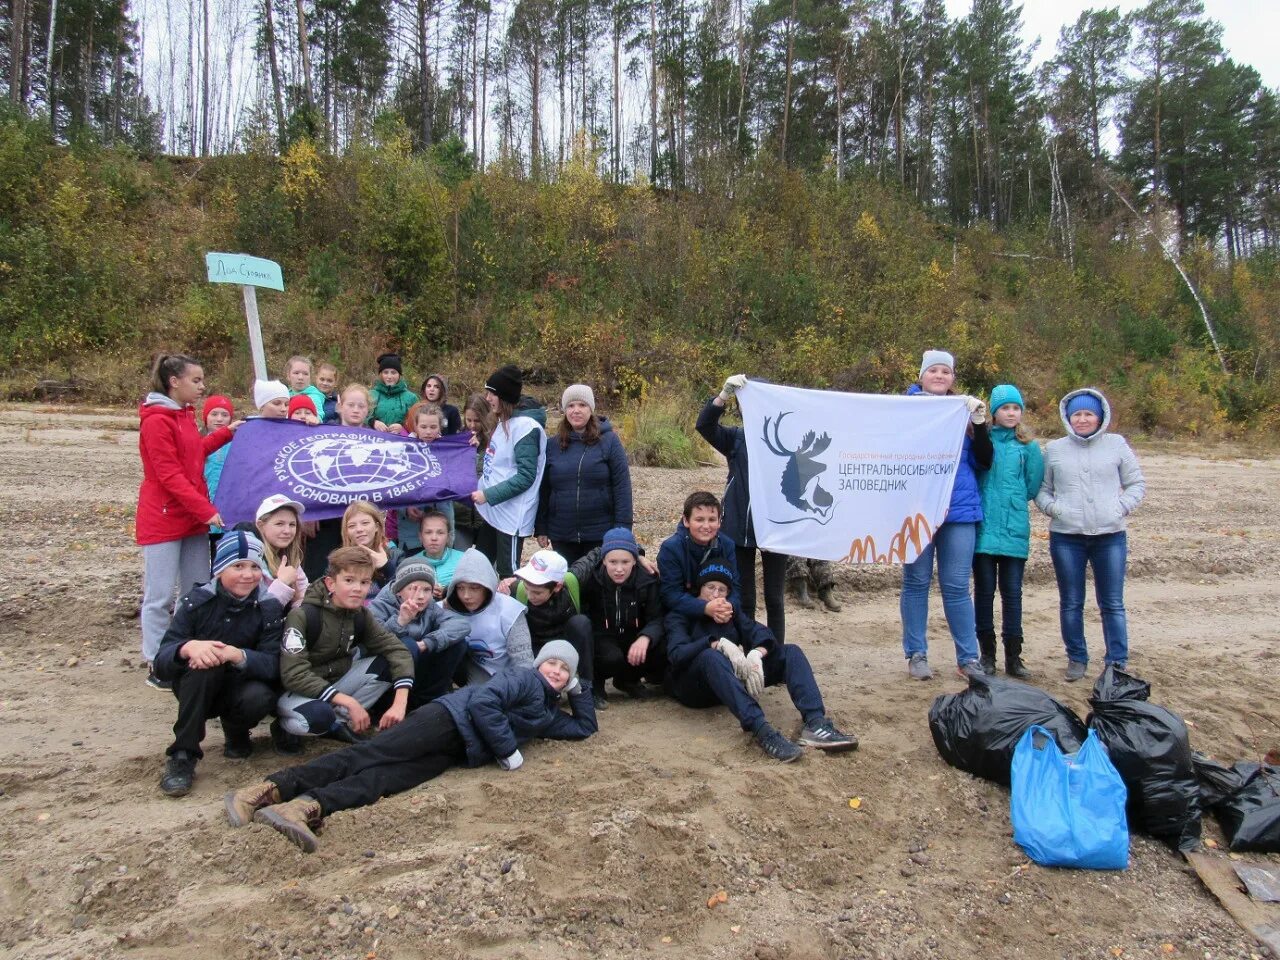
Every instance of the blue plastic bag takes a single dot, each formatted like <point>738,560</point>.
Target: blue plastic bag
<point>1068,809</point>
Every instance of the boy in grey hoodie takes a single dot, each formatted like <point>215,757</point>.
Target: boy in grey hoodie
<point>1092,482</point>
<point>434,636</point>
<point>499,631</point>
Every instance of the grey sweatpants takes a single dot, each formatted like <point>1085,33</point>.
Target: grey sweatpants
<point>169,571</point>
<point>367,680</point>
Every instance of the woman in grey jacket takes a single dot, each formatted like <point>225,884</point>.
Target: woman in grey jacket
<point>1092,482</point>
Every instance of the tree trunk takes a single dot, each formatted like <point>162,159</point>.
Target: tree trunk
<point>653,90</point>
<point>484,85</point>
<point>17,37</point>
<point>786,101</point>
<point>424,70</point>
<point>277,94</point>
<point>304,54</point>
<point>204,85</point>
<point>616,117</point>
<point>51,79</point>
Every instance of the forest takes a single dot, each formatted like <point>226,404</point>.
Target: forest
<point>648,195</point>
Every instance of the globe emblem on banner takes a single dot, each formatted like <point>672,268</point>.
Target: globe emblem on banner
<point>358,466</point>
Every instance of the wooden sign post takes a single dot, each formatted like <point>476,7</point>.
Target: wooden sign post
<point>250,273</point>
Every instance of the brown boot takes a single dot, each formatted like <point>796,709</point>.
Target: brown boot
<point>295,819</point>
<point>828,599</point>
<point>800,590</point>
<point>242,803</point>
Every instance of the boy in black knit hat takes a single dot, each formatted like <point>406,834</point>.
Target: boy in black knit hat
<point>731,663</point>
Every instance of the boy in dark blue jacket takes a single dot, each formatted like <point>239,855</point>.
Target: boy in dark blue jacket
<point>696,543</point>
<point>470,726</point>
<point>731,663</point>
<point>222,655</point>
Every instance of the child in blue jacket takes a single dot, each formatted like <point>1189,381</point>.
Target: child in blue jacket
<point>1004,535</point>
<point>471,727</point>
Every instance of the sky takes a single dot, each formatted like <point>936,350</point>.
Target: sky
<point>1249,27</point>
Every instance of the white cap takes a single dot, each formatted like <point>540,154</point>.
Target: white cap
<point>932,357</point>
<point>275,502</point>
<point>545,566</point>
<point>264,391</point>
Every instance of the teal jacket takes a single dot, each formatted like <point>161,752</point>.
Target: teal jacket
<point>390,404</point>
<point>1014,478</point>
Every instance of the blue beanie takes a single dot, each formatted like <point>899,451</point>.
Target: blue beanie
<point>234,547</point>
<point>1084,401</point>
<point>619,538</point>
<point>1005,393</point>
<point>715,571</point>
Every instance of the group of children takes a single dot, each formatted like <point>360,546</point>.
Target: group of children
<point>434,638</point>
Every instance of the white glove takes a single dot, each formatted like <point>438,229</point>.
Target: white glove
<point>732,385</point>
<point>573,687</point>
<point>977,409</point>
<point>733,652</point>
<point>752,672</point>
<point>512,762</point>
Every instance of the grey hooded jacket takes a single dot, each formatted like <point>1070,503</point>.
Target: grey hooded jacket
<point>1091,484</point>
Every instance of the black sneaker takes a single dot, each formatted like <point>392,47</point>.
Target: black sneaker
<point>824,735</point>
<point>238,745</point>
<point>777,746</point>
<point>179,771</point>
<point>156,683</point>
<point>286,744</point>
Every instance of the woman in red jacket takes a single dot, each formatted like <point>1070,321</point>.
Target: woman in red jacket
<point>174,512</point>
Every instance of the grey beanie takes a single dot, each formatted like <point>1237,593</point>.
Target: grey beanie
<point>558,650</point>
<point>578,391</point>
<point>411,570</point>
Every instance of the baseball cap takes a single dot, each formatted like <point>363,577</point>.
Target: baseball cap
<point>545,566</point>
<point>275,502</point>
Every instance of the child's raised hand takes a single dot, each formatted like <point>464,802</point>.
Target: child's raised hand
<point>474,441</point>
<point>287,574</point>
<point>379,557</point>
<point>409,610</point>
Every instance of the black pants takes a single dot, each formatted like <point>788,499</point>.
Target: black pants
<point>774,568</point>
<point>577,630</point>
<point>505,557</point>
<point>219,692</point>
<point>574,550</point>
<point>611,661</point>
<point>433,672</point>
<point>315,559</point>
<point>419,748</point>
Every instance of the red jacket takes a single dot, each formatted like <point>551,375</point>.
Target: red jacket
<point>173,502</point>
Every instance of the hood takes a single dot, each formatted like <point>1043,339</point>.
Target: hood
<point>159,403</point>
<point>444,386</point>
<point>527,406</point>
<point>1106,414</point>
<point>386,602</point>
<point>473,567</point>
<point>317,594</point>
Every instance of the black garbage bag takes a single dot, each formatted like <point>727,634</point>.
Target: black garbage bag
<point>1250,816</point>
<point>1151,748</point>
<point>977,729</point>
<point>1217,780</point>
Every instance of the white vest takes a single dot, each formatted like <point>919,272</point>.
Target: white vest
<point>490,626</point>
<point>514,516</point>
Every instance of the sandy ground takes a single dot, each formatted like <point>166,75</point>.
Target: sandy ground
<point>611,847</point>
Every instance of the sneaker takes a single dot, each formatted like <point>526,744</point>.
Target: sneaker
<point>179,771</point>
<point>918,667</point>
<point>1076,670</point>
<point>238,745</point>
<point>973,668</point>
<point>634,689</point>
<point>988,665</point>
<point>155,682</point>
<point>286,744</point>
<point>777,746</point>
<point>824,735</point>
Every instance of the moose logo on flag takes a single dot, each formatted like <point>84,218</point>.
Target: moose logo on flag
<point>858,478</point>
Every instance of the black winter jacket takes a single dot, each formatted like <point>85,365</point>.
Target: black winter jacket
<point>254,624</point>
<point>680,560</point>
<point>732,443</point>
<point>622,611</point>
<point>514,707</point>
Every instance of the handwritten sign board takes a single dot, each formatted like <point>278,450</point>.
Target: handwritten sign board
<point>243,269</point>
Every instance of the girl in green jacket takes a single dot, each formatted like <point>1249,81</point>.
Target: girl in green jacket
<point>390,398</point>
<point>1004,536</point>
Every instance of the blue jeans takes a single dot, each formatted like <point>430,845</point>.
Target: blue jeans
<point>953,545</point>
<point>989,571</point>
<point>1107,553</point>
<point>709,680</point>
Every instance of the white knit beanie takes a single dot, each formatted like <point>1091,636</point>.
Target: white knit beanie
<point>264,391</point>
<point>937,356</point>
<point>579,391</point>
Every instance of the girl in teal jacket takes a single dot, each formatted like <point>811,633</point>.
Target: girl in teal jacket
<point>1004,535</point>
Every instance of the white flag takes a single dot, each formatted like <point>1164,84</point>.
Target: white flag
<point>853,477</point>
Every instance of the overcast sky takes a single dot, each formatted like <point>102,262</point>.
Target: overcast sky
<point>1249,27</point>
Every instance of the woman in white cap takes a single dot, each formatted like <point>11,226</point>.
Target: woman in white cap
<point>953,541</point>
<point>586,486</point>
<point>279,524</point>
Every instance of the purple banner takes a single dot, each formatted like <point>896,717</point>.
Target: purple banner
<point>327,467</point>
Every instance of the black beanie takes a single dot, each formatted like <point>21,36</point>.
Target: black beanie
<point>506,382</point>
<point>715,571</point>
<point>389,361</point>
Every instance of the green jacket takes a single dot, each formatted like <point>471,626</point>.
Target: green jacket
<point>390,404</point>
<point>1014,478</point>
<point>312,660</point>
<point>317,399</point>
